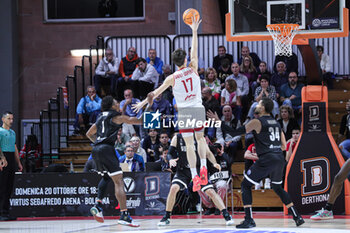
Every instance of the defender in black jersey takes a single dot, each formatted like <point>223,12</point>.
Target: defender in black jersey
<point>103,134</point>
<point>177,157</point>
<point>269,143</point>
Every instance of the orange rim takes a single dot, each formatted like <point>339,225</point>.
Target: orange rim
<point>284,28</point>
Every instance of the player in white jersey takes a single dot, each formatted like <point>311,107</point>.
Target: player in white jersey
<point>187,92</point>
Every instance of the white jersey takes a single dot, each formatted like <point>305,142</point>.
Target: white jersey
<point>187,88</point>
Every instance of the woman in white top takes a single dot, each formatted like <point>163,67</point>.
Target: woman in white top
<point>325,65</point>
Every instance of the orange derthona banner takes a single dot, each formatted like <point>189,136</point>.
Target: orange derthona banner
<point>316,158</point>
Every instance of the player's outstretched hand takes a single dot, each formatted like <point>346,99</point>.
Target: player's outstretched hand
<point>217,166</point>
<point>195,23</point>
<point>137,107</point>
<point>173,162</point>
<point>213,115</point>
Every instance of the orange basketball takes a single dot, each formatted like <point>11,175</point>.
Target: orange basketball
<point>188,14</point>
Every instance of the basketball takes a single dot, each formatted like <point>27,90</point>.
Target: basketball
<point>188,14</point>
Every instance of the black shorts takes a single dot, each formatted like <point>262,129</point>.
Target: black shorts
<point>269,165</point>
<point>183,178</point>
<point>106,160</point>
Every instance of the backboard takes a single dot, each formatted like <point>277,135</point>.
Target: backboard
<point>247,19</point>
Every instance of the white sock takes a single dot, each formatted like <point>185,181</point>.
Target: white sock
<point>193,172</point>
<point>204,163</point>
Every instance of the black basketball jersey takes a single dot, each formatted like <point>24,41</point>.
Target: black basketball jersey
<point>269,138</point>
<point>107,130</point>
<point>182,152</point>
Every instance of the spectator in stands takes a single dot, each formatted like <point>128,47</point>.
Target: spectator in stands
<point>164,143</point>
<point>280,77</point>
<point>212,82</point>
<point>291,143</point>
<point>219,179</point>
<point>291,92</point>
<point>230,143</point>
<point>135,162</point>
<point>107,72</point>
<point>210,103</point>
<point>264,90</point>
<point>291,63</point>
<point>221,56</point>
<point>262,71</point>
<point>136,144</point>
<point>247,69</point>
<point>325,65</point>
<point>125,108</point>
<point>167,94</point>
<point>30,154</point>
<point>287,121</point>
<point>163,106</point>
<point>88,109</point>
<point>224,71</point>
<point>150,143</point>
<point>145,78</point>
<point>246,52</point>
<point>230,96</point>
<point>344,130</point>
<point>201,69</point>
<point>155,61</point>
<point>166,72</point>
<point>126,69</point>
<point>163,160</point>
<point>128,130</point>
<point>120,142</point>
<point>242,87</point>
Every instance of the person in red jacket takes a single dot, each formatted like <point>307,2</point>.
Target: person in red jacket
<point>126,68</point>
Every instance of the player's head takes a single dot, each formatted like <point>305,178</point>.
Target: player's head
<point>179,57</point>
<point>108,103</point>
<point>296,133</point>
<point>265,106</point>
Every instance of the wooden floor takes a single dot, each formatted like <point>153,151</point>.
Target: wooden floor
<point>266,222</point>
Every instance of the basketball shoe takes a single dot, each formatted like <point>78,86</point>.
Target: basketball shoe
<point>126,220</point>
<point>204,175</point>
<point>164,221</point>
<point>322,214</point>
<point>97,213</point>
<point>196,184</point>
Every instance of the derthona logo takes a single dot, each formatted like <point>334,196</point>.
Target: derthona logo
<point>151,120</point>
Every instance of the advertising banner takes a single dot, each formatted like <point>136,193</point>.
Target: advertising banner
<point>73,194</point>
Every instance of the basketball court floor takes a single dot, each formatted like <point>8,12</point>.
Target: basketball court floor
<point>266,222</point>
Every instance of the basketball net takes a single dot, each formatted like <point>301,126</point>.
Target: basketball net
<point>282,35</point>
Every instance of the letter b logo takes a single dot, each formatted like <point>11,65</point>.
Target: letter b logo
<point>316,177</point>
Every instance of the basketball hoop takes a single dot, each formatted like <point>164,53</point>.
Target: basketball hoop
<point>282,35</point>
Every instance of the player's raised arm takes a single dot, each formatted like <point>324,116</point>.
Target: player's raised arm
<point>169,81</point>
<point>194,48</point>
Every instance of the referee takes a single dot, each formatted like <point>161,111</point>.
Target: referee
<point>8,159</point>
